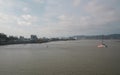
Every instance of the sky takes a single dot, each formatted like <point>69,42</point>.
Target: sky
<point>55,18</point>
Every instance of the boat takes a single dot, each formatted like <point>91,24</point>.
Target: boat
<point>102,44</point>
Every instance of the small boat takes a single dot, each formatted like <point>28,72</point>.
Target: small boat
<point>102,45</point>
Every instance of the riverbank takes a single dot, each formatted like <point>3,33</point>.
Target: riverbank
<point>12,43</point>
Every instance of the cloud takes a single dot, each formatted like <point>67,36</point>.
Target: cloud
<point>27,20</point>
<point>39,1</point>
<point>76,2</point>
<point>26,9</point>
<point>7,19</point>
<point>102,13</point>
<point>100,17</point>
<point>27,17</point>
<point>64,17</point>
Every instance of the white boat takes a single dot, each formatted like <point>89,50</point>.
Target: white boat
<point>102,45</point>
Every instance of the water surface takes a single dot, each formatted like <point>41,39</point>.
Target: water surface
<point>61,58</point>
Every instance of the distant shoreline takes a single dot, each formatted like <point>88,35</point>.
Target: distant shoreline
<point>15,43</point>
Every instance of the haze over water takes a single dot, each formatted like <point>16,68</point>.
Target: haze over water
<point>61,58</point>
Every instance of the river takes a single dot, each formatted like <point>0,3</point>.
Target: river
<point>81,57</point>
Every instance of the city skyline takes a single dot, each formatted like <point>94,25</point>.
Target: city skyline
<point>54,18</point>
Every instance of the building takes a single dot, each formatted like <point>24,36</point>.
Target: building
<point>22,38</point>
<point>34,38</point>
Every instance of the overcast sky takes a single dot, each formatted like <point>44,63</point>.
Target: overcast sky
<point>51,18</point>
